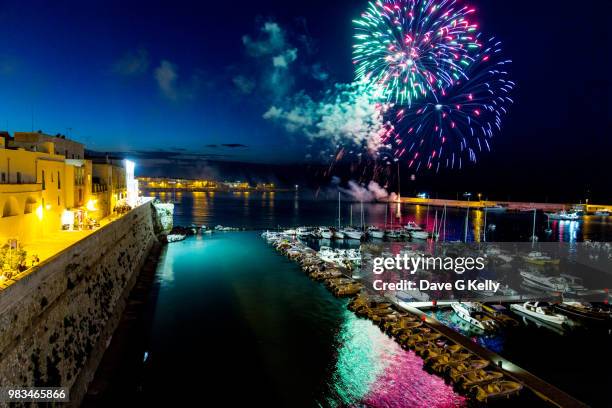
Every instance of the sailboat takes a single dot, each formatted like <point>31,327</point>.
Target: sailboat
<point>350,232</point>
<point>338,234</point>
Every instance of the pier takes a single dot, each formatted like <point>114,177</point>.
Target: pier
<point>541,388</point>
<point>508,205</point>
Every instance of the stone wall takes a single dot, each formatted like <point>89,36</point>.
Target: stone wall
<point>56,322</point>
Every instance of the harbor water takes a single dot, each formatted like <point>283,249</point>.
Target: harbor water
<point>239,315</point>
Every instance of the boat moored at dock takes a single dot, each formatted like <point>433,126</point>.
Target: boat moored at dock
<point>540,311</point>
<point>473,314</point>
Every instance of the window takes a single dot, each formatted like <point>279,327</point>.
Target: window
<point>3,177</point>
<point>58,201</point>
<point>59,183</point>
<point>43,180</point>
<point>18,177</point>
<point>80,195</point>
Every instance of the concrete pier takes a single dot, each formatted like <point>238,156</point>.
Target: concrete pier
<point>541,388</point>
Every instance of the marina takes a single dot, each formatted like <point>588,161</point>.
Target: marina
<point>390,317</point>
<point>505,344</point>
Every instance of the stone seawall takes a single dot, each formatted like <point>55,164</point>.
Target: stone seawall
<point>56,322</point>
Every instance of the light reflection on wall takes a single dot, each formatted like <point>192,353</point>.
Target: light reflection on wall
<point>477,222</point>
<point>373,370</point>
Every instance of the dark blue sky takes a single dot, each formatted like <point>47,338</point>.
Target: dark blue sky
<point>134,76</point>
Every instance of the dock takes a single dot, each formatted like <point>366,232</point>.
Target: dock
<point>541,388</point>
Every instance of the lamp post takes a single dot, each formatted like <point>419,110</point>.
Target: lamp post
<point>467,216</point>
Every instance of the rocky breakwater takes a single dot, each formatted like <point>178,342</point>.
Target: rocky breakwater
<point>56,322</point>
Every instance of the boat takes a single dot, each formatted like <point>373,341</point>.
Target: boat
<point>289,232</point>
<point>412,296</point>
<point>484,292</point>
<point>325,232</point>
<point>338,234</point>
<point>497,313</point>
<point>564,216</point>
<point>473,314</point>
<point>352,233</point>
<point>602,213</point>
<point>478,377</point>
<point>175,237</point>
<point>586,312</point>
<point>455,371</point>
<point>412,226</point>
<point>393,235</point>
<point>496,253</point>
<point>540,281</point>
<point>419,234</point>
<point>375,232</point>
<point>495,208</point>
<point>496,390</point>
<point>541,311</point>
<point>538,258</point>
<point>303,232</point>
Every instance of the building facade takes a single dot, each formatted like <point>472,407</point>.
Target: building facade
<point>46,185</point>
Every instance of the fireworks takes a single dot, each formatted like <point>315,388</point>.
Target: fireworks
<point>449,90</point>
<point>414,48</point>
<point>457,124</point>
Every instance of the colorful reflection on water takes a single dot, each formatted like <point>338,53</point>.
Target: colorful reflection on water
<point>372,369</point>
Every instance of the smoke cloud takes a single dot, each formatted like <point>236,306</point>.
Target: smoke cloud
<point>372,192</point>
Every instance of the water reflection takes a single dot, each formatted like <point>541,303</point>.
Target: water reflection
<point>372,370</point>
<point>268,210</point>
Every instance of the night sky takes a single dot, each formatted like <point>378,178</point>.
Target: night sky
<point>183,85</point>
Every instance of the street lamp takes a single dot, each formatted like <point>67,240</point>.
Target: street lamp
<point>467,215</point>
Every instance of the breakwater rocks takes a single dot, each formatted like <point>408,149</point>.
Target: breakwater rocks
<point>57,321</point>
<point>470,374</point>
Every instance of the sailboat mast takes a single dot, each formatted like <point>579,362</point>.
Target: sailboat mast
<point>362,215</point>
<point>533,236</point>
<point>338,211</point>
<point>399,195</point>
<point>484,230</point>
<point>444,225</point>
<point>386,211</point>
<point>351,219</point>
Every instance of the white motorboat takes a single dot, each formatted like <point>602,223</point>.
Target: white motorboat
<point>325,232</point>
<point>539,258</point>
<point>564,216</point>
<point>540,311</point>
<point>547,283</point>
<point>175,237</point>
<point>340,257</point>
<point>375,232</point>
<point>473,314</point>
<point>338,234</point>
<point>414,234</point>
<point>303,232</point>
<point>289,233</point>
<point>602,213</point>
<point>352,233</point>
<point>412,226</point>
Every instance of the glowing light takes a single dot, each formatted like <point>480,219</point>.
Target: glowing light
<point>91,205</point>
<point>67,217</point>
<point>39,212</point>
